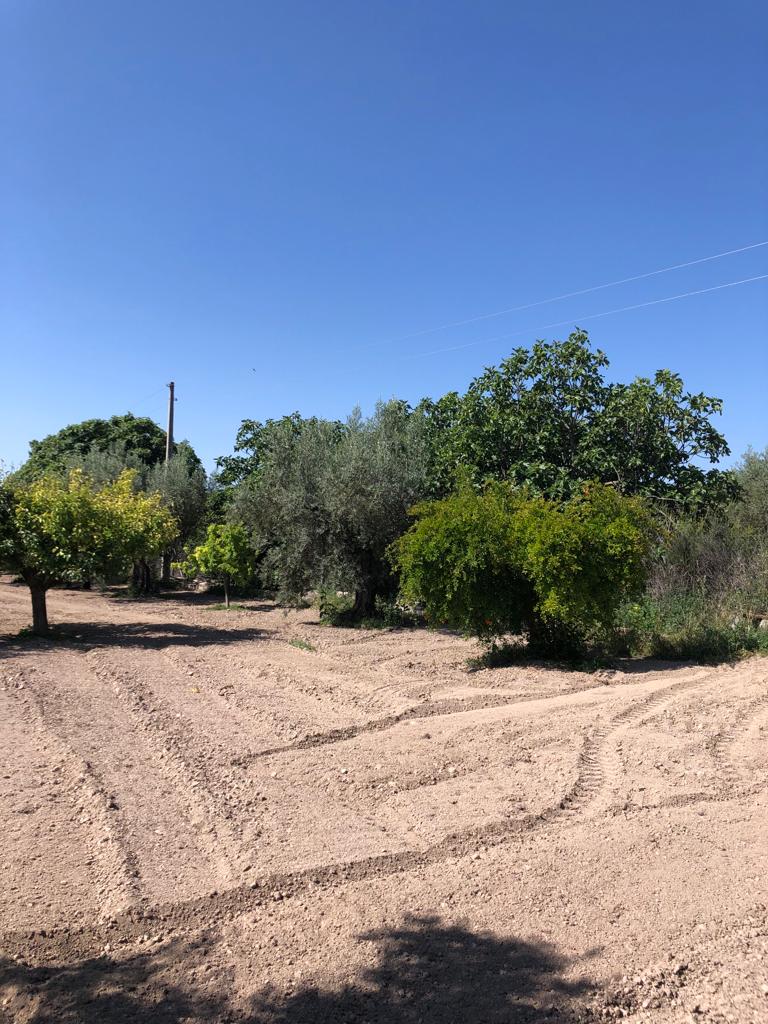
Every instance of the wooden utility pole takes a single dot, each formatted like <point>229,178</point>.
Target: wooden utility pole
<point>169,432</point>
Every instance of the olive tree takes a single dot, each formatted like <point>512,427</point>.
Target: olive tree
<point>327,498</point>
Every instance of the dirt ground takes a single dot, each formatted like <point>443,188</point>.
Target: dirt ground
<point>247,817</point>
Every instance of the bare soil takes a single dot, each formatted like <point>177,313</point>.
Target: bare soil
<point>203,820</point>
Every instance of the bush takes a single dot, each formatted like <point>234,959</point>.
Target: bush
<point>688,626</point>
<point>708,588</point>
<point>336,609</point>
<point>503,562</point>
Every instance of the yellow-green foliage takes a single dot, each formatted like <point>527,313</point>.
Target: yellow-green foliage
<point>226,556</point>
<point>504,562</point>
<point>62,531</point>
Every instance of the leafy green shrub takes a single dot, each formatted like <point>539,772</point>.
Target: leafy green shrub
<point>688,626</point>
<point>503,562</point>
<point>336,609</point>
<point>226,556</point>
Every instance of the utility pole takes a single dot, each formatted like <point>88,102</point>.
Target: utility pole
<point>169,433</point>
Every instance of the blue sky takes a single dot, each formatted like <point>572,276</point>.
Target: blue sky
<point>264,202</point>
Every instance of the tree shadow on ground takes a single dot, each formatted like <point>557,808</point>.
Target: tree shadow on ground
<point>147,635</point>
<point>202,599</point>
<point>422,971</point>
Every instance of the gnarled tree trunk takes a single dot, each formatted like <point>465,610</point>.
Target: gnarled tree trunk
<point>365,602</point>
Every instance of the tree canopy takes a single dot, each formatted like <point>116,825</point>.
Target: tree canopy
<point>64,531</point>
<point>138,436</point>
<point>324,499</point>
<point>548,418</point>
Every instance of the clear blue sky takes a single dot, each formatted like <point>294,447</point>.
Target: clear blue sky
<point>199,190</point>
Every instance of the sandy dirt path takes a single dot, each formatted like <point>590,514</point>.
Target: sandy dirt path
<point>202,821</point>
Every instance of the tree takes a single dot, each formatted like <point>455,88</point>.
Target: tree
<point>507,561</point>
<point>751,512</point>
<point>54,531</point>
<point>181,481</point>
<point>326,499</point>
<point>547,418</point>
<point>226,556</point>
<point>138,436</point>
<point>255,444</point>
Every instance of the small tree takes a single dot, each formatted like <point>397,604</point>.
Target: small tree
<point>56,531</point>
<point>505,562</point>
<point>226,557</point>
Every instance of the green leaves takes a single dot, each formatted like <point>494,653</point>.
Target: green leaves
<point>138,436</point>
<point>326,498</point>
<point>506,561</point>
<point>225,556</point>
<point>547,418</point>
<point>66,531</point>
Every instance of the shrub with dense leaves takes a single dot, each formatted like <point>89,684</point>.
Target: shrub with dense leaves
<point>505,562</point>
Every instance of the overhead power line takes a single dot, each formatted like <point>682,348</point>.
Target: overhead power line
<point>591,316</point>
<point>580,291</point>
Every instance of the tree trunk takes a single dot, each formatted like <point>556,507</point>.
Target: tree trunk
<point>364,602</point>
<point>39,610</point>
<point>226,591</point>
<point>142,577</point>
<point>166,573</point>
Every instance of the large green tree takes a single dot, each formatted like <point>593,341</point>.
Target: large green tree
<point>138,436</point>
<point>547,417</point>
<point>63,531</point>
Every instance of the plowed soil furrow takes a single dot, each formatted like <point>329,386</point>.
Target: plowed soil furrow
<point>201,821</point>
<point>281,885</point>
<point>80,864</point>
<point>164,834</point>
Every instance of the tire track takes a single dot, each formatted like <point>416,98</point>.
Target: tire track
<point>731,773</point>
<point>221,906</point>
<point>597,768</point>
